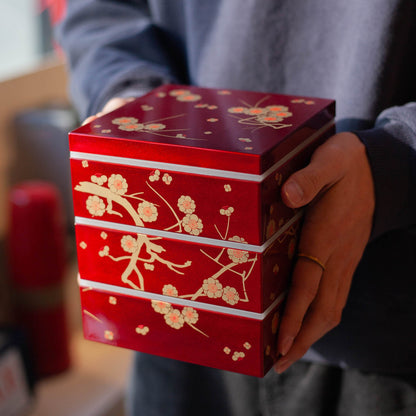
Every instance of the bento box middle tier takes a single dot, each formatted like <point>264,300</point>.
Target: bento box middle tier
<point>197,162</point>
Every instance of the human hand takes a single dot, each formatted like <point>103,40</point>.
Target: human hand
<point>111,105</point>
<point>338,186</point>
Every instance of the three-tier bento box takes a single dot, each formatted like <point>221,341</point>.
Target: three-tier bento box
<point>184,246</point>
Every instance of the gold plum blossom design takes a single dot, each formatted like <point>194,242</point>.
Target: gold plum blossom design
<point>230,295</point>
<point>100,179</point>
<point>155,127</point>
<point>175,318</point>
<point>184,95</point>
<point>144,252</point>
<point>226,211</point>
<point>108,335</point>
<point>125,120</point>
<point>238,356</point>
<point>208,106</point>
<point>129,244</point>
<point>192,224</point>
<point>212,288</point>
<point>95,206</point>
<point>238,256</point>
<point>117,184</point>
<point>142,329</point>
<point>154,175</point>
<point>302,100</point>
<point>167,179</point>
<point>104,251</point>
<point>190,315</point>
<point>170,290</point>
<point>186,204</point>
<point>273,116</point>
<point>160,306</point>
<point>147,211</point>
<point>100,201</point>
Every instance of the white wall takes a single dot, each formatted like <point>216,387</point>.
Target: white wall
<point>19,37</point>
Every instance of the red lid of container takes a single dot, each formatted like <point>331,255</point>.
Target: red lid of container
<point>241,131</point>
<point>36,236</point>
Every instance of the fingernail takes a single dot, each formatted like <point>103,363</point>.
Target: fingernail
<point>286,345</point>
<point>293,192</point>
<point>282,365</point>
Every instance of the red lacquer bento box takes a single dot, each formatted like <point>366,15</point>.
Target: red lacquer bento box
<point>184,246</point>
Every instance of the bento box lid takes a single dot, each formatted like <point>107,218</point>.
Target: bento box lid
<point>241,131</point>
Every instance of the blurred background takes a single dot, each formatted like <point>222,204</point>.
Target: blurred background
<point>46,368</point>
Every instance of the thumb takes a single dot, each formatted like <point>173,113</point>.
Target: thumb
<point>322,172</point>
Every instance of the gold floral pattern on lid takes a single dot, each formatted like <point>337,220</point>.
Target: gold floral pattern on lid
<point>192,224</point>
<point>230,295</point>
<point>170,290</point>
<point>238,356</point>
<point>142,329</point>
<point>95,206</point>
<point>212,288</point>
<point>108,335</point>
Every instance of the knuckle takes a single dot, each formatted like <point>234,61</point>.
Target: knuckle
<point>336,155</point>
<point>310,182</point>
<point>331,318</point>
<point>304,292</point>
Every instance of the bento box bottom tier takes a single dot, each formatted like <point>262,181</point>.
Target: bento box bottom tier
<point>217,337</point>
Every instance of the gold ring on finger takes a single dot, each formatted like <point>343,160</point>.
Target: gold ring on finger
<point>312,259</point>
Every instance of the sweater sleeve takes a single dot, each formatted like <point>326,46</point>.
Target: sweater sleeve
<point>391,149</point>
<point>113,47</point>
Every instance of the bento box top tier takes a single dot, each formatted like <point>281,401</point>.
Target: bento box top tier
<point>229,130</point>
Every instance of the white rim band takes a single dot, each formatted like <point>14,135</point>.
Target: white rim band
<point>89,284</point>
<point>195,170</point>
<point>187,237</point>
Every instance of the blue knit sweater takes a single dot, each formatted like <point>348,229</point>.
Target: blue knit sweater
<point>362,53</point>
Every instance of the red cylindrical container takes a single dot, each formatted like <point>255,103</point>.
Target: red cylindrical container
<point>37,257</point>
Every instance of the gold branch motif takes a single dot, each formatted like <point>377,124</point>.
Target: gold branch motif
<point>211,286</point>
<point>142,249</point>
<point>154,127</point>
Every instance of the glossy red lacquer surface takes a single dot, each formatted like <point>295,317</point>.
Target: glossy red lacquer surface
<point>222,129</point>
<point>189,334</point>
